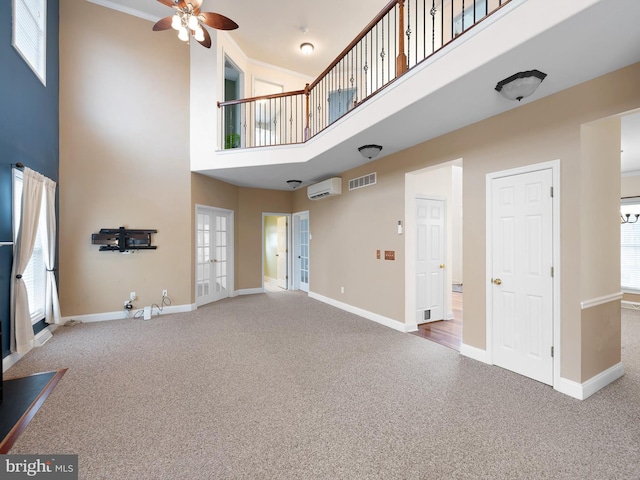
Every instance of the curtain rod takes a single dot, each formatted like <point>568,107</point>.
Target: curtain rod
<point>18,165</point>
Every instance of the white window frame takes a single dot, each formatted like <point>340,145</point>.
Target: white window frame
<point>29,34</point>
<point>36,299</point>
<point>631,206</point>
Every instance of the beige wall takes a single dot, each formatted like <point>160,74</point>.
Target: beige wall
<point>600,219</point>
<point>252,203</point>
<point>124,158</point>
<point>630,186</point>
<point>270,246</point>
<point>348,229</point>
<point>210,192</point>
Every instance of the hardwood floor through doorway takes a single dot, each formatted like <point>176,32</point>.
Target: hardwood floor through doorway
<point>445,332</point>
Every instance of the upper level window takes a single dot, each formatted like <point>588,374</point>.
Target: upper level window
<point>30,33</point>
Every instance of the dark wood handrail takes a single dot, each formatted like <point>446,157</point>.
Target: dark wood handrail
<point>355,41</point>
<point>262,97</point>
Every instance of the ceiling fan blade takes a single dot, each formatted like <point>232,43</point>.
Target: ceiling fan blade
<point>163,24</point>
<point>217,21</point>
<point>207,39</point>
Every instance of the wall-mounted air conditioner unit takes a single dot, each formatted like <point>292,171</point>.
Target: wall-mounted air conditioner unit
<point>326,188</point>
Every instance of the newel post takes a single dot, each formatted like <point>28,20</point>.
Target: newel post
<point>401,61</point>
<point>307,93</point>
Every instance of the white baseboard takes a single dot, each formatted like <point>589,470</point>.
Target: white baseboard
<point>630,305</point>
<point>387,322</point>
<point>475,353</point>
<point>121,315</point>
<point>584,390</point>
<point>42,337</point>
<point>246,291</point>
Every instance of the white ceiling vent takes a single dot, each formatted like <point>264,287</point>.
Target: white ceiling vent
<point>363,181</point>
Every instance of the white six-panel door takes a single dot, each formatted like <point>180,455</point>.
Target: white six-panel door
<point>430,259</point>
<point>521,282</point>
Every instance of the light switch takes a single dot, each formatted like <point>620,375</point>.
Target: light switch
<point>378,254</point>
<point>389,255</point>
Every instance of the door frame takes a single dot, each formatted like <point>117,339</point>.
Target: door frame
<point>289,249</point>
<point>230,250</point>
<point>446,286</point>
<point>410,193</point>
<point>554,166</point>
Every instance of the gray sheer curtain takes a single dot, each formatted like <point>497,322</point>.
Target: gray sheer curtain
<point>22,338</point>
<point>52,305</point>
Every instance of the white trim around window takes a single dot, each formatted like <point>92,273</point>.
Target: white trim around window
<point>29,34</point>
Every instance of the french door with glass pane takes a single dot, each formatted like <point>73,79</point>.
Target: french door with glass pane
<point>301,251</point>
<point>214,254</point>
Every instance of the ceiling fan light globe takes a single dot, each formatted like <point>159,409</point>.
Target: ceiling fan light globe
<point>176,23</point>
<point>198,34</point>
<point>193,22</point>
<point>183,34</point>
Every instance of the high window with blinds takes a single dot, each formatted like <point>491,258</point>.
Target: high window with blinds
<point>630,246</point>
<point>29,34</point>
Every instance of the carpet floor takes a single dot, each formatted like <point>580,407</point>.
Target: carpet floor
<point>278,385</point>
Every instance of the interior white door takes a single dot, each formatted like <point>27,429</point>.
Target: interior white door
<point>521,270</point>
<point>430,259</point>
<point>213,266</point>
<point>301,250</point>
<point>282,252</point>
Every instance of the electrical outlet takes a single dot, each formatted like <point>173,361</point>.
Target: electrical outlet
<point>164,293</point>
<point>132,296</point>
<point>341,289</point>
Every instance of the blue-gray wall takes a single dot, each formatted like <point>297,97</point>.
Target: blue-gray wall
<point>29,132</point>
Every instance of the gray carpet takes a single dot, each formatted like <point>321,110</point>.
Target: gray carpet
<point>280,386</point>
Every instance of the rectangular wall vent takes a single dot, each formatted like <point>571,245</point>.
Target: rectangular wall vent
<point>363,181</point>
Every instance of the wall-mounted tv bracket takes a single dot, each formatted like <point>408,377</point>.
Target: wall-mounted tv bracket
<point>123,239</point>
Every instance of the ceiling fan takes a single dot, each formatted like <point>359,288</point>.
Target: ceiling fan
<point>187,20</point>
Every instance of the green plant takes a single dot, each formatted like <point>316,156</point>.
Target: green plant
<point>232,140</point>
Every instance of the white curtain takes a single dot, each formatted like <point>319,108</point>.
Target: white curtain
<point>52,305</point>
<point>22,338</point>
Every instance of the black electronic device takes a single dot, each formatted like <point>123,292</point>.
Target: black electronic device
<point>123,239</point>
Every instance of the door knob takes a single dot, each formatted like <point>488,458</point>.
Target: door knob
<point>497,281</point>
<point>442,265</point>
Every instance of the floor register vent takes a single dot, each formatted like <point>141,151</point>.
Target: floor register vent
<point>363,181</point>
